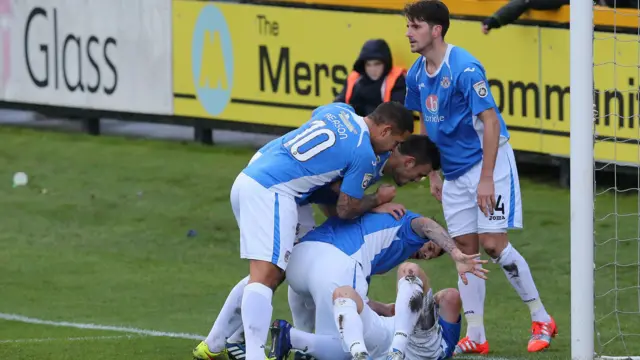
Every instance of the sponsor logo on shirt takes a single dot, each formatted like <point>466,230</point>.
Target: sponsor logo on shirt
<point>432,103</point>
<point>432,107</point>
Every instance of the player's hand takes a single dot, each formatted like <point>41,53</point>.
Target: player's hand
<point>385,193</point>
<point>435,183</point>
<point>486,195</point>
<point>468,264</point>
<point>397,210</point>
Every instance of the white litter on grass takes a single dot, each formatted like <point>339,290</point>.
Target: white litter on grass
<point>20,179</point>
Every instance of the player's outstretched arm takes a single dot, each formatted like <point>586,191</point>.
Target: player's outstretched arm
<point>429,229</point>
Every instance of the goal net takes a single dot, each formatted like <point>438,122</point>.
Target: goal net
<point>605,141</point>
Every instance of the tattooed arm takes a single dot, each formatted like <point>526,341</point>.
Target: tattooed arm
<point>349,207</point>
<point>429,229</point>
<point>352,201</point>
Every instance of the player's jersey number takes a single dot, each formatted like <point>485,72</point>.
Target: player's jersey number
<point>312,132</point>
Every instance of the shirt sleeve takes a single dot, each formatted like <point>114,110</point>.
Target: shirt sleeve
<point>475,88</point>
<point>412,97</point>
<point>359,174</point>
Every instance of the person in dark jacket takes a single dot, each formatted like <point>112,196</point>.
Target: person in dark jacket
<point>515,8</point>
<point>374,79</point>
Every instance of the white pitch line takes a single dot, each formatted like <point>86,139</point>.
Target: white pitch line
<point>84,338</point>
<point>482,357</point>
<point>29,320</point>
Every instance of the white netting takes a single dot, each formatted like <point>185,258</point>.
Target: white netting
<point>617,182</point>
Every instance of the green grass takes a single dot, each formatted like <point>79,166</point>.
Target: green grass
<point>107,243</point>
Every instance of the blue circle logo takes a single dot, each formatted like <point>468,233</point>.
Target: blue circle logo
<point>212,60</point>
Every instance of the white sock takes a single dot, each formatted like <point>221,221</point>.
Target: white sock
<point>318,346</point>
<point>228,319</point>
<point>237,337</point>
<point>256,319</point>
<point>408,309</point>
<point>345,312</point>
<point>519,275</point>
<point>303,316</point>
<point>472,296</point>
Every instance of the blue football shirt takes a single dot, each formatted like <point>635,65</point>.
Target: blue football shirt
<point>378,242</point>
<point>334,144</point>
<point>450,100</point>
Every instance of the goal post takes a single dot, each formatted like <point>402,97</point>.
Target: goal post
<point>582,179</point>
<point>605,181</point>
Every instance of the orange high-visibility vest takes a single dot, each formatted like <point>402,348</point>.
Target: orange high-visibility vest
<point>387,85</point>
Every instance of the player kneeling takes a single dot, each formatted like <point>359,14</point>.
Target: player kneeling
<point>419,326</point>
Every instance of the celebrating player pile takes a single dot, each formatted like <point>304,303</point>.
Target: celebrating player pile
<point>334,144</point>
<point>481,192</point>
<point>331,268</point>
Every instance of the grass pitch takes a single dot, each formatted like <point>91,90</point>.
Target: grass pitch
<point>99,238</point>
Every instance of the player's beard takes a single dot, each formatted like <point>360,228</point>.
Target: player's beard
<point>422,47</point>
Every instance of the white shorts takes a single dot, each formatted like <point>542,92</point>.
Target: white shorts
<point>315,270</point>
<point>267,221</point>
<point>306,221</point>
<point>460,199</point>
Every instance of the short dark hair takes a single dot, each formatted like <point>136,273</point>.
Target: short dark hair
<point>422,149</point>
<point>395,114</point>
<point>433,12</point>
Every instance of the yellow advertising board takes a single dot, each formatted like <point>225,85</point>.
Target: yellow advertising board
<point>267,64</point>
<point>602,15</point>
<point>272,65</point>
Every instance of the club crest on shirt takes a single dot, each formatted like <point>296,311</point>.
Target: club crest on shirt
<point>445,82</point>
<point>432,103</point>
<point>366,180</point>
<point>481,88</point>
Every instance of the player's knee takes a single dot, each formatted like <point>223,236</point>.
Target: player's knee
<point>450,298</point>
<point>413,273</point>
<point>450,304</point>
<point>468,243</point>
<point>265,273</point>
<point>494,243</point>
<point>347,292</point>
<point>408,269</point>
